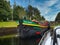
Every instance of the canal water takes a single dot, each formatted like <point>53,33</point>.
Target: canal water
<point>18,41</point>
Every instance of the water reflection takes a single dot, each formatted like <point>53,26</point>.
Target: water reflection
<point>17,41</point>
<point>28,42</point>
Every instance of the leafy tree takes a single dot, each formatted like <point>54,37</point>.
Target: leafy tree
<point>30,12</point>
<point>58,17</point>
<point>37,14</point>
<point>19,13</point>
<point>43,18</point>
<point>34,13</point>
<point>4,10</point>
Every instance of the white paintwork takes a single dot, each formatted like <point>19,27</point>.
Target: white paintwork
<point>58,41</point>
<point>48,40</point>
<point>58,31</point>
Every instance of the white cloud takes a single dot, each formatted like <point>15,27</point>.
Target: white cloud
<point>50,3</point>
<point>52,16</point>
<point>45,9</point>
<point>47,3</point>
<point>58,6</point>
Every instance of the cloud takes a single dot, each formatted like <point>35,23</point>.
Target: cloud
<point>46,10</point>
<point>51,17</point>
<point>58,6</point>
<point>50,3</point>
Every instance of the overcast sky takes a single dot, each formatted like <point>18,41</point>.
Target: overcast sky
<point>48,8</point>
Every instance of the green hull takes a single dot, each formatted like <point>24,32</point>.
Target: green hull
<point>30,23</point>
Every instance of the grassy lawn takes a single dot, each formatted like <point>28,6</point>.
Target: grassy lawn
<point>8,24</point>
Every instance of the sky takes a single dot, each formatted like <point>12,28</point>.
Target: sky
<point>48,8</point>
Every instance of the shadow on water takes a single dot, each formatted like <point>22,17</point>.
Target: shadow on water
<point>18,41</point>
<point>9,41</point>
<point>28,42</point>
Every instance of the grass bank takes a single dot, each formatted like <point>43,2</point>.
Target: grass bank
<point>8,24</point>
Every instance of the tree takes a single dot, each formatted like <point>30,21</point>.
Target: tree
<point>43,18</point>
<point>58,17</point>
<point>30,12</point>
<point>37,14</point>
<point>33,13</point>
<point>4,10</point>
<point>19,13</point>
